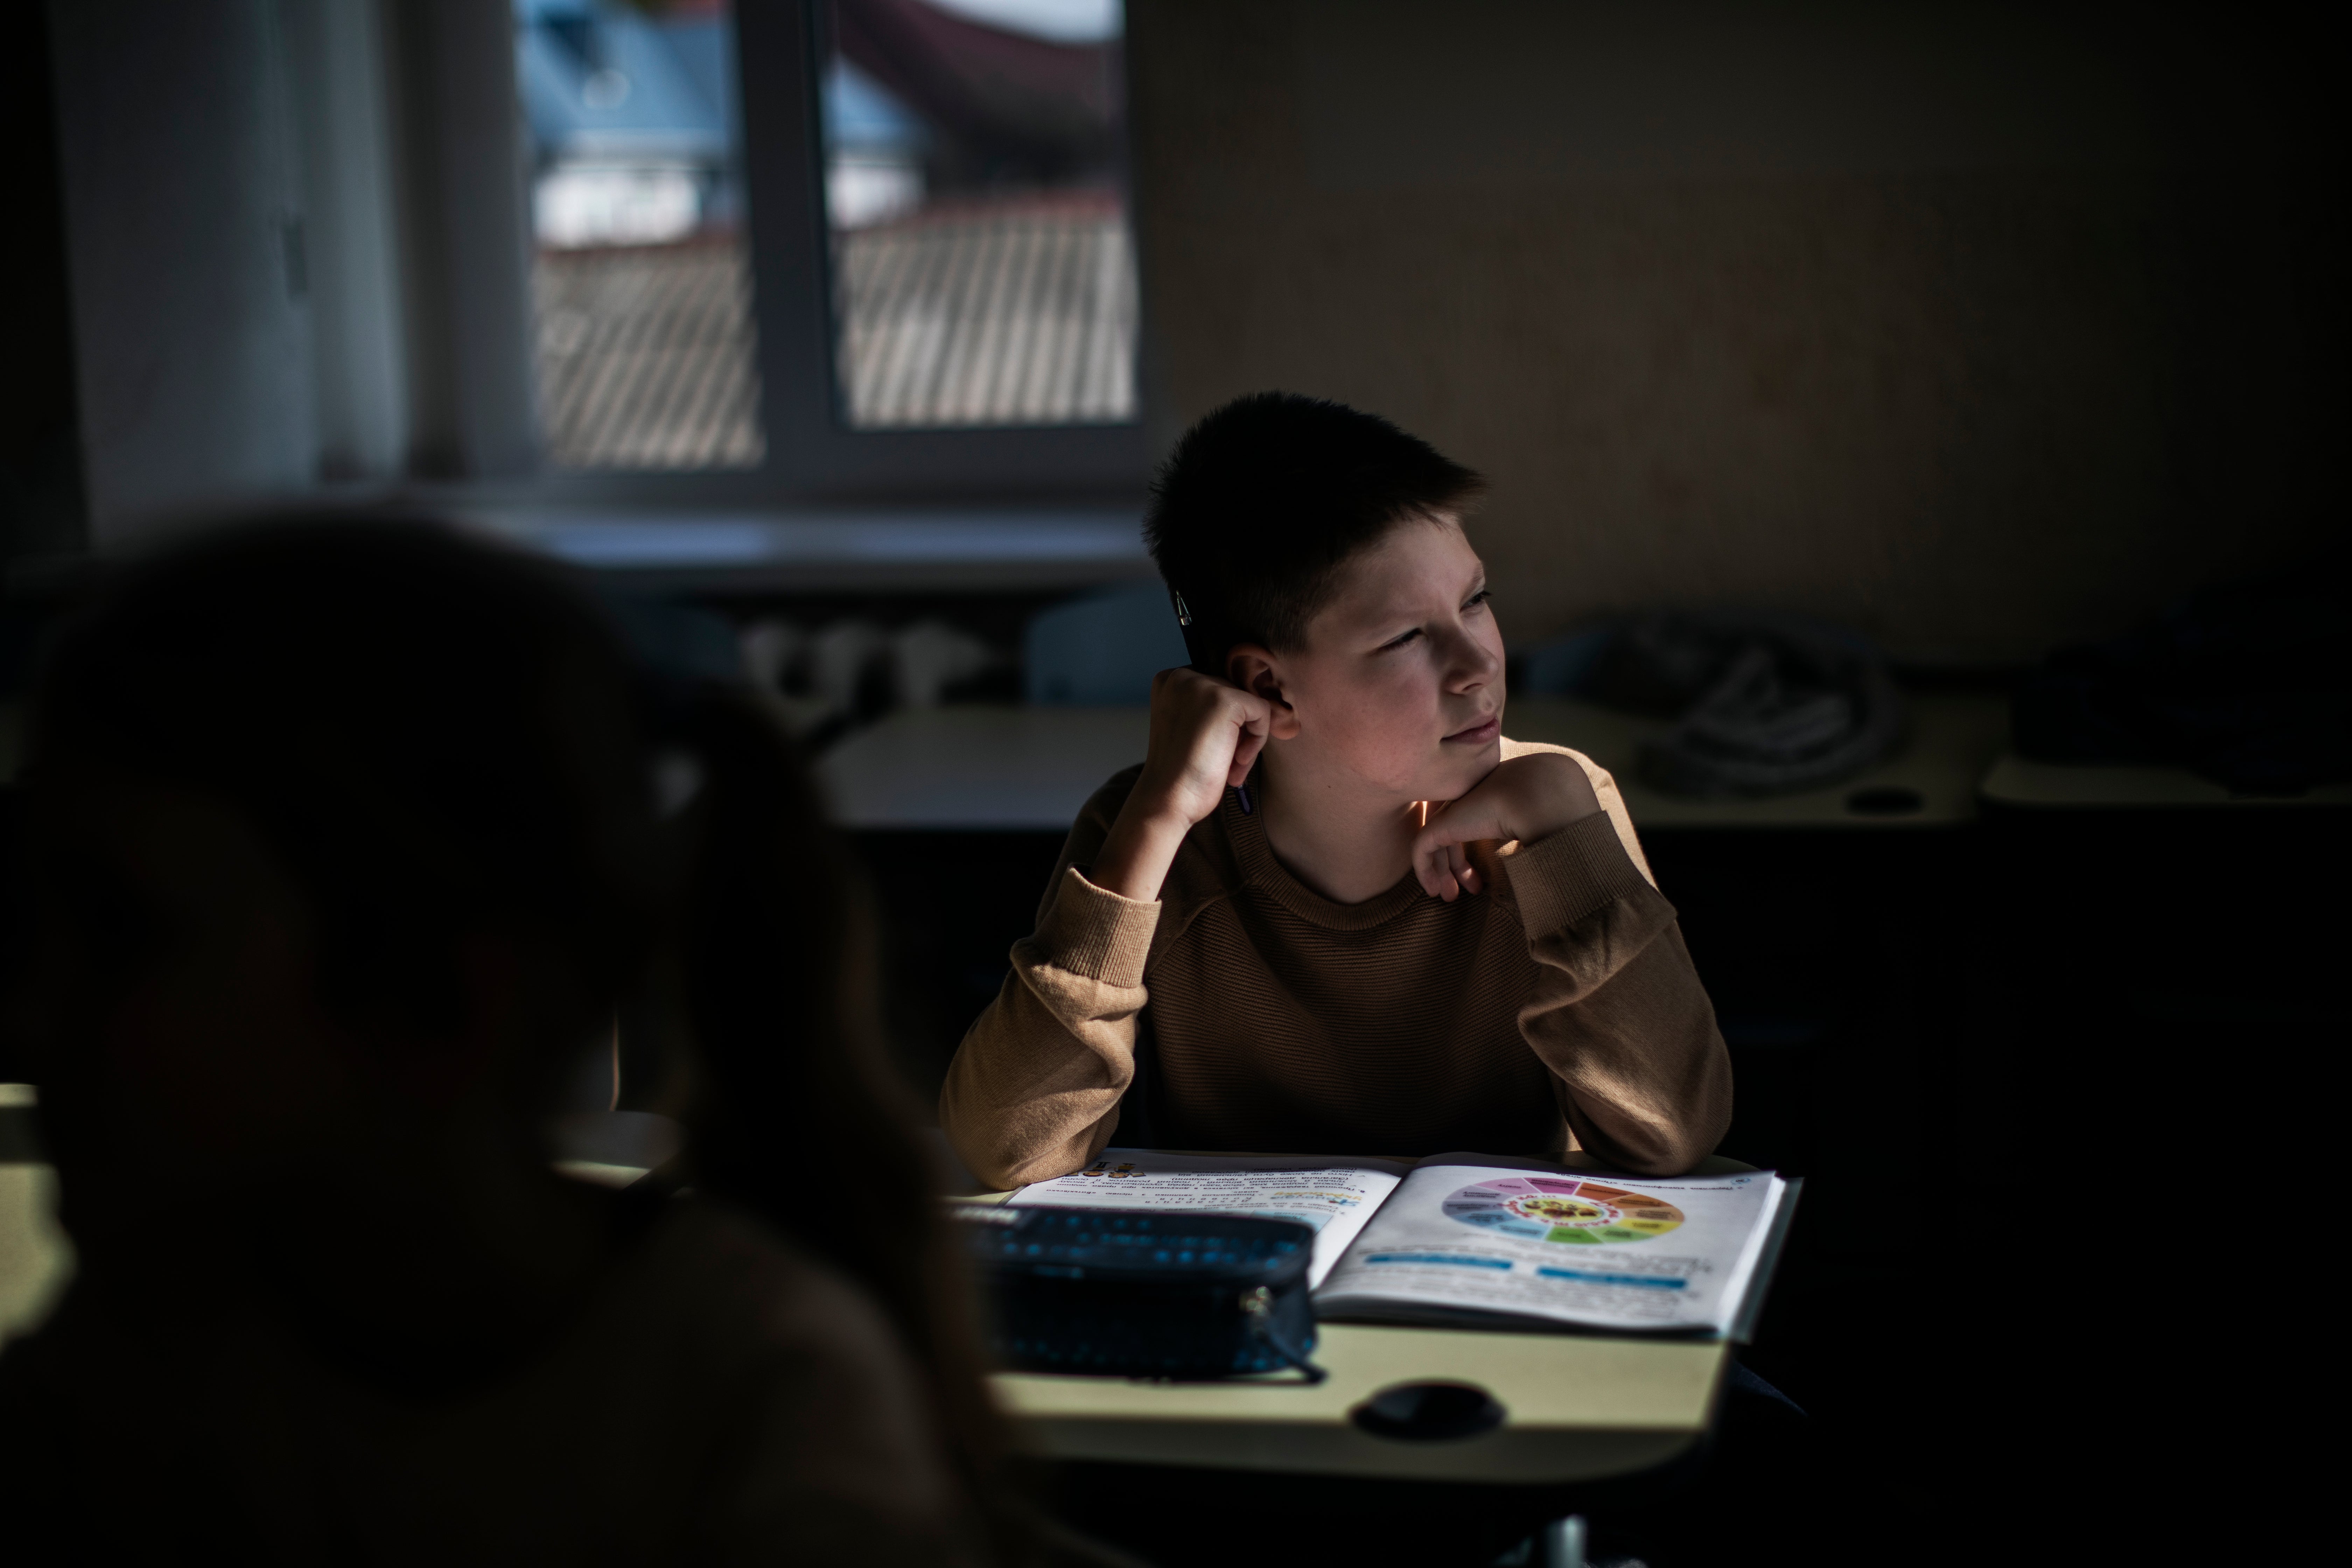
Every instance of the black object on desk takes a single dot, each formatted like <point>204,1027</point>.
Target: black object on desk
<point>1138,1294</point>
<point>1429,1412</point>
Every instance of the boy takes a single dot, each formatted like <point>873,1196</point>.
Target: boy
<point>1361,920</point>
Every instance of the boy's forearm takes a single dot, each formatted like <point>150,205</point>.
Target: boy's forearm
<point>1026,1095</point>
<point>1561,796</point>
<point>1034,1089</point>
<point>1617,1013</point>
<point>1648,1081</point>
<point>1133,861</point>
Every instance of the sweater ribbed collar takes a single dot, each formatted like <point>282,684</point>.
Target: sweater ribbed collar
<point>1245,831</point>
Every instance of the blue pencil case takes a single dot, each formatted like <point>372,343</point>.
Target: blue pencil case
<point>1143,1293</point>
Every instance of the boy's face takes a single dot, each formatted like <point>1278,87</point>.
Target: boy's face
<point>1399,688</point>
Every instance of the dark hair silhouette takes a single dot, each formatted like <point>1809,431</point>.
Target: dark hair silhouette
<point>439,736</point>
<point>1262,500</point>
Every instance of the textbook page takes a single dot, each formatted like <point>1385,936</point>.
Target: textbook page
<point>1587,1248</point>
<point>1334,1198</point>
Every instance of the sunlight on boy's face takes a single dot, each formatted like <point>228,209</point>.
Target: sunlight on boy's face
<point>1400,687</point>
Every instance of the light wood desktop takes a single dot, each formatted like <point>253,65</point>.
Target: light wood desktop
<point>981,767</point>
<point>2026,783</point>
<point>1577,1408</point>
<point>36,1260</point>
<point>985,768</point>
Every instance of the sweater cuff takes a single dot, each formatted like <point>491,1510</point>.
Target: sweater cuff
<point>1097,935</point>
<point>1571,875</point>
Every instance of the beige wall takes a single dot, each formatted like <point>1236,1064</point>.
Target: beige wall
<point>1916,322</point>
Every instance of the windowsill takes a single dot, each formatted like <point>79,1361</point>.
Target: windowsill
<point>1005,548</point>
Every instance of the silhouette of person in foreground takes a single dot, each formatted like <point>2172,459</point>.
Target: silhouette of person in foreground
<point>344,846</point>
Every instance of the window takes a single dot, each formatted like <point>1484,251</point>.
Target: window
<point>602,264</point>
<point>844,247</point>
<point>644,335</point>
<point>982,273</point>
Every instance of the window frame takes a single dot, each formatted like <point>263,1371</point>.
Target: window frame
<point>778,47</point>
<point>812,453</point>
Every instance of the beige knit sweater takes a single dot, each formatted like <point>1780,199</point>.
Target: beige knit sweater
<point>1558,1009</point>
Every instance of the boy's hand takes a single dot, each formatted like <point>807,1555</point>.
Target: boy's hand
<point>1205,736</point>
<point>1527,798</point>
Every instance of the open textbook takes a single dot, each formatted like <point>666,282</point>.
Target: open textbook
<point>1480,1238</point>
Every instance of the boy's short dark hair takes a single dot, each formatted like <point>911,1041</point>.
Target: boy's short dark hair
<point>1262,500</point>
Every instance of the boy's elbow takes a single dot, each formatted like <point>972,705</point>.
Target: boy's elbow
<point>981,1147</point>
<point>1682,1151</point>
<point>1661,1156</point>
<point>999,1157</point>
<point>1690,1138</point>
<point>1002,1170</point>
<point>1676,1140</point>
<point>1666,1145</point>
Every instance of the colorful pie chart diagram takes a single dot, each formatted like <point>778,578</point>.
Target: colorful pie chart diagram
<point>1562,1208</point>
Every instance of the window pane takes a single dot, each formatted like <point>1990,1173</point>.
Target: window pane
<point>641,282</point>
<point>975,191</point>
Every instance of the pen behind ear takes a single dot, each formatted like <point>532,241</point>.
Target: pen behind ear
<point>1192,638</point>
<point>1195,641</point>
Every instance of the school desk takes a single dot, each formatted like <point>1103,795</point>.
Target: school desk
<point>35,1258</point>
<point>1577,1407</point>
<point>979,767</point>
<point>2028,785</point>
<point>986,768</point>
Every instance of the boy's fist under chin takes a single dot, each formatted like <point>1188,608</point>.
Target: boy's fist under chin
<point>1526,798</point>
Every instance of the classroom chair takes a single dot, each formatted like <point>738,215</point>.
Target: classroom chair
<point>1101,650</point>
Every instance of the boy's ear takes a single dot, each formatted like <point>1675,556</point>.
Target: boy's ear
<point>1259,672</point>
